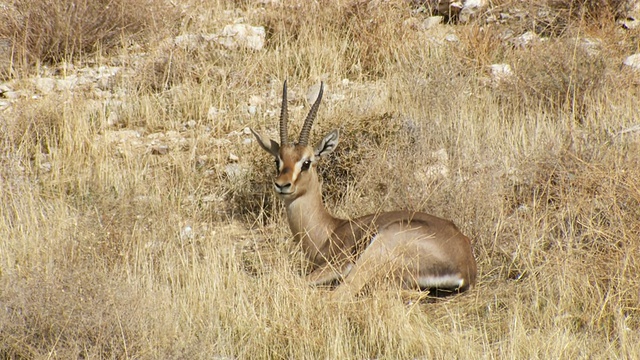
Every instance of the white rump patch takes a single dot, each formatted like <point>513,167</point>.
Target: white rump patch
<point>446,282</point>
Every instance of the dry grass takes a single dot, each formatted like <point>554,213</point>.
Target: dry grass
<point>41,33</point>
<point>96,261</point>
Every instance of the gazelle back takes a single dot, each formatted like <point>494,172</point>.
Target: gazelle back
<point>415,249</point>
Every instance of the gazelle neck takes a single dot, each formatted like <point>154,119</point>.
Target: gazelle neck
<point>309,220</point>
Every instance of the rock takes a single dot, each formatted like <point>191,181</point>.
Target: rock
<point>214,114</point>
<point>591,46</point>
<point>451,38</point>
<point>500,73</point>
<point>11,95</point>
<point>629,14</point>
<point>234,170</point>
<point>629,23</point>
<point>439,169</point>
<point>462,10</point>
<point>44,85</point>
<point>233,157</point>
<point>45,167</point>
<point>5,88</point>
<point>191,41</point>
<point>243,36</point>
<point>186,233</point>
<point>120,136</point>
<point>431,22</point>
<point>159,149</point>
<point>256,101</point>
<point>211,198</point>
<point>633,62</point>
<point>525,39</point>
<point>113,119</point>
<point>312,93</point>
<point>470,8</point>
<point>66,84</point>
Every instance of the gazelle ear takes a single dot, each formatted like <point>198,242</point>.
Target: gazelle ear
<point>328,144</point>
<point>268,145</point>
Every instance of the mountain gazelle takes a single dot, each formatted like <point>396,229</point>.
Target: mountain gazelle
<point>417,250</point>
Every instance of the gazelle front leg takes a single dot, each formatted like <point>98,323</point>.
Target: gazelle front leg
<point>359,275</point>
<point>328,273</point>
<point>371,265</point>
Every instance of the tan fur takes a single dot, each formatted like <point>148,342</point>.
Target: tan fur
<point>416,249</point>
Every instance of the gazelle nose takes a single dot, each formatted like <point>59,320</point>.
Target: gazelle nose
<point>282,188</point>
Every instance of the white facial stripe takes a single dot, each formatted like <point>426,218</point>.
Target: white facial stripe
<point>298,168</point>
<point>280,164</point>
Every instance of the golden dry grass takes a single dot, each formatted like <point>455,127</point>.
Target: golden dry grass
<point>95,261</point>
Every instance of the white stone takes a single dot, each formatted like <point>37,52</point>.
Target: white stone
<point>431,22</point>
<point>312,93</point>
<point>242,35</point>
<point>591,46</point>
<point>451,38</point>
<point>5,88</point>
<point>214,113</point>
<point>160,149</point>
<point>186,233</point>
<point>12,95</point>
<point>67,84</point>
<point>525,39</point>
<point>629,23</point>
<point>44,85</point>
<point>633,62</point>
<point>500,72</point>
<point>470,8</point>
<point>234,170</point>
<point>256,100</point>
<point>113,118</point>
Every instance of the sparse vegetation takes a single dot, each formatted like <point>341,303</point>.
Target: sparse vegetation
<point>115,247</point>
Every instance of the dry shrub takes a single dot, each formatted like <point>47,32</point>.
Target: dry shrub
<point>180,65</point>
<point>582,210</point>
<point>593,9</point>
<point>561,76</point>
<point>41,133</point>
<point>62,30</point>
<point>479,48</point>
<point>37,317</point>
<point>370,33</point>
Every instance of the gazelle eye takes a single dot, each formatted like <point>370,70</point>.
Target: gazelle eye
<point>305,165</point>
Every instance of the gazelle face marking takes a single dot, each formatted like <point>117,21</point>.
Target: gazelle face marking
<point>295,166</point>
<point>295,170</point>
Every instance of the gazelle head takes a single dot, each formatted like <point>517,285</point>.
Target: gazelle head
<point>296,162</point>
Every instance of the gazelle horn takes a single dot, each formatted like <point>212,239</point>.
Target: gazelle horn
<point>283,116</point>
<point>306,128</point>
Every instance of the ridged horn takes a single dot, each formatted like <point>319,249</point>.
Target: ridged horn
<point>283,116</point>
<point>306,128</point>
